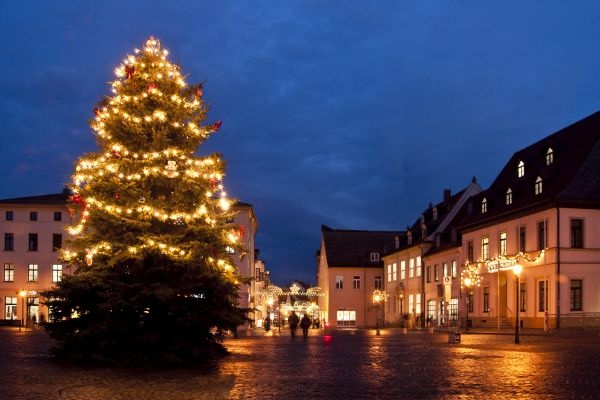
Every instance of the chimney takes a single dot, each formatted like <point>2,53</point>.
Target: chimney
<point>446,195</point>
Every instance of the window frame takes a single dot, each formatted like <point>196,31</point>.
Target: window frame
<point>576,233</point>
<point>33,272</point>
<point>9,272</point>
<point>576,295</point>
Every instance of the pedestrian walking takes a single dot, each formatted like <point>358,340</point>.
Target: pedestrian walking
<point>293,321</point>
<point>305,323</point>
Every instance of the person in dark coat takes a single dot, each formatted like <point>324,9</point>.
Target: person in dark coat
<point>305,323</point>
<point>293,321</point>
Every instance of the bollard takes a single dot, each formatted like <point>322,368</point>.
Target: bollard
<point>454,337</point>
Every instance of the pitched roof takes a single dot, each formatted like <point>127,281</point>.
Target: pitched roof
<point>571,179</point>
<point>353,248</point>
<point>49,199</point>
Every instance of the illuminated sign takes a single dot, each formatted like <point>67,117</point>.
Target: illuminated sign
<point>500,265</point>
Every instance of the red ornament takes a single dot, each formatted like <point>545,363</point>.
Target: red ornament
<point>217,126</point>
<point>199,90</point>
<point>97,111</point>
<point>77,199</point>
<point>118,196</point>
<point>129,71</point>
<point>116,154</point>
<point>213,182</point>
<point>151,86</point>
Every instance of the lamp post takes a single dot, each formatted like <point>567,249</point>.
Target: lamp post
<point>469,278</point>
<point>378,297</point>
<point>22,293</point>
<point>269,308</point>
<point>517,269</point>
<point>468,282</point>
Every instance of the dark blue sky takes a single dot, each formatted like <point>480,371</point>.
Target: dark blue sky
<point>334,112</point>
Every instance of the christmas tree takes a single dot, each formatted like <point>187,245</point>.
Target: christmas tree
<point>151,228</point>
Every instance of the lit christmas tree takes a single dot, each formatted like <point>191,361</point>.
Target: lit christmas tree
<point>152,223</point>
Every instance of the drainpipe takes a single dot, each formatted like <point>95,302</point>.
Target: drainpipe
<point>557,267</point>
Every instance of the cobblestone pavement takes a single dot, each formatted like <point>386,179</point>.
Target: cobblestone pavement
<point>344,366</point>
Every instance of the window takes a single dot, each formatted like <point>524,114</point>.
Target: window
<point>577,233</point>
<point>549,156</point>
<point>522,239</point>
<point>409,237</point>
<point>538,186</point>
<point>9,215</point>
<point>346,318</point>
<point>521,169</point>
<point>9,242</point>
<point>502,243</point>
<point>541,235</point>
<point>228,249</point>
<point>378,283</point>
<point>454,269</point>
<point>485,248</point>
<point>453,309</point>
<point>32,273</point>
<point>418,265</point>
<point>33,215</point>
<point>484,205</point>
<point>394,271</point>
<point>434,213</point>
<point>57,241</point>
<point>374,256</point>
<point>543,296</point>
<point>356,282</point>
<point>9,272</point>
<point>522,296</point>
<point>56,273</point>
<point>576,294</point>
<point>402,269</point>
<point>10,310</point>
<point>486,299</point>
<point>431,311</point>
<point>389,274</point>
<point>445,269</point>
<point>339,282</point>
<point>411,303</point>
<point>470,257</point>
<point>33,242</point>
<point>57,216</point>
<point>428,273</point>
<point>418,304</point>
<point>436,272</point>
<point>397,242</point>
<point>509,196</point>
<point>411,268</point>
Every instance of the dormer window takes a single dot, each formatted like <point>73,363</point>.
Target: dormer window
<point>434,213</point>
<point>422,219</point>
<point>484,205</point>
<point>409,237</point>
<point>509,196</point>
<point>538,186</point>
<point>521,169</point>
<point>549,156</point>
<point>397,240</point>
<point>423,231</point>
<point>374,256</point>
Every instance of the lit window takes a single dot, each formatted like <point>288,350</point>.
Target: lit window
<point>454,269</point>
<point>485,248</point>
<point>538,186</point>
<point>411,268</point>
<point>389,273</point>
<point>509,196</point>
<point>502,243</point>
<point>394,271</point>
<point>484,205</point>
<point>9,272</point>
<point>549,156</point>
<point>32,273</point>
<point>521,169</point>
<point>229,250</point>
<point>56,273</point>
<point>402,269</point>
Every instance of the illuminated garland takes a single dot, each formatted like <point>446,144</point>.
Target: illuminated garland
<point>505,262</point>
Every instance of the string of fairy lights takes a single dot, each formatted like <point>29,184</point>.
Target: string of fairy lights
<point>140,78</point>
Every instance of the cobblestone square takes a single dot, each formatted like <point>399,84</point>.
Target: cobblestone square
<point>344,365</point>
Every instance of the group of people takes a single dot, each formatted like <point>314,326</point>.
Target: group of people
<point>293,322</point>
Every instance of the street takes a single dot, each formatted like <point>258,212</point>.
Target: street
<point>344,365</point>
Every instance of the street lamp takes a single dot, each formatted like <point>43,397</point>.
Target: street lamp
<point>378,297</point>
<point>22,293</point>
<point>517,269</point>
<point>469,278</point>
<point>269,308</point>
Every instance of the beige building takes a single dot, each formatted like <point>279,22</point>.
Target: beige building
<point>349,270</point>
<point>542,213</point>
<point>34,229</point>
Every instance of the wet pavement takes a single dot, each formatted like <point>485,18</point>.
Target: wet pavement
<point>344,365</point>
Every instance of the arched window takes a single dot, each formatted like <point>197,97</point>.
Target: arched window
<point>549,156</point>
<point>484,205</point>
<point>520,169</point>
<point>538,186</point>
<point>509,196</point>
